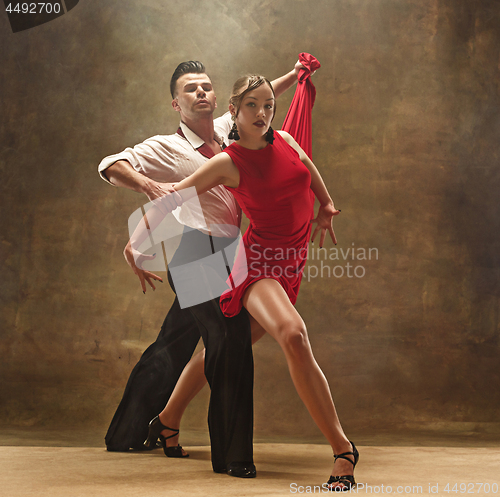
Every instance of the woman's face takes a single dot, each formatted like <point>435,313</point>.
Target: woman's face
<point>256,112</point>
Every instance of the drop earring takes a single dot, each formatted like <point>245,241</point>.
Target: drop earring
<point>270,135</point>
<point>233,134</point>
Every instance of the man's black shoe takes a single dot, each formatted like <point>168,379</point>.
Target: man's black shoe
<point>242,470</point>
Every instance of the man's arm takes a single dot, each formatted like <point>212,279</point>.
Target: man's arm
<point>122,174</point>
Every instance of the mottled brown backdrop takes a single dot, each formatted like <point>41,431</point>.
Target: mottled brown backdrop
<point>406,134</point>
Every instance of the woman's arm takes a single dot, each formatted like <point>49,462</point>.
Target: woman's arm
<point>219,170</point>
<point>283,83</point>
<point>327,209</point>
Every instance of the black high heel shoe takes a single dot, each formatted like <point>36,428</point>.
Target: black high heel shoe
<point>347,480</point>
<point>155,429</point>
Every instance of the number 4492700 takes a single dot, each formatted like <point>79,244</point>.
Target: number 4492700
<point>34,8</point>
<point>471,488</point>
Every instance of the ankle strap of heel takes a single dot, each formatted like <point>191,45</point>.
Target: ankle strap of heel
<point>163,427</point>
<point>176,432</point>
<point>354,454</point>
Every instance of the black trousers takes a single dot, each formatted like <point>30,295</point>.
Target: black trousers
<point>228,368</point>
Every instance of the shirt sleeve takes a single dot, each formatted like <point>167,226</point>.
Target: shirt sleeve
<point>223,125</point>
<point>155,158</point>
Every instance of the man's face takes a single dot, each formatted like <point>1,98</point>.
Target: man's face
<point>195,97</point>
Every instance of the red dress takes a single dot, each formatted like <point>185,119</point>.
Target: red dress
<point>275,194</point>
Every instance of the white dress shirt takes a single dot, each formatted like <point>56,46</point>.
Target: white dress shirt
<point>170,159</point>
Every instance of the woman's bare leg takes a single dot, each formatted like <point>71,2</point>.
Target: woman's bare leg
<point>189,384</point>
<point>267,302</point>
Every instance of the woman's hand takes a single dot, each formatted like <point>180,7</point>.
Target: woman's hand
<point>157,190</point>
<point>134,260</point>
<point>324,220</point>
<point>298,66</point>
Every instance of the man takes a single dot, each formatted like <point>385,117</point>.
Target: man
<point>150,168</point>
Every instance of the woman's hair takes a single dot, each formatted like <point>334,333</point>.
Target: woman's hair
<point>245,85</point>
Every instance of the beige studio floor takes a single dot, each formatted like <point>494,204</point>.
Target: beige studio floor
<point>31,466</point>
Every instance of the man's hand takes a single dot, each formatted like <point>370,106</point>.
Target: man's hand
<point>132,256</point>
<point>324,220</point>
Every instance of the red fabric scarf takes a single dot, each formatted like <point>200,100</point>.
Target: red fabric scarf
<point>298,121</point>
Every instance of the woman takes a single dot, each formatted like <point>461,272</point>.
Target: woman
<point>275,183</point>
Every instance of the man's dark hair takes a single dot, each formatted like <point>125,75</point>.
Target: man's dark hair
<point>188,67</point>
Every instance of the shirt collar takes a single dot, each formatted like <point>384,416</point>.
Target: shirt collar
<point>191,137</point>
<point>195,140</point>
<point>197,143</point>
